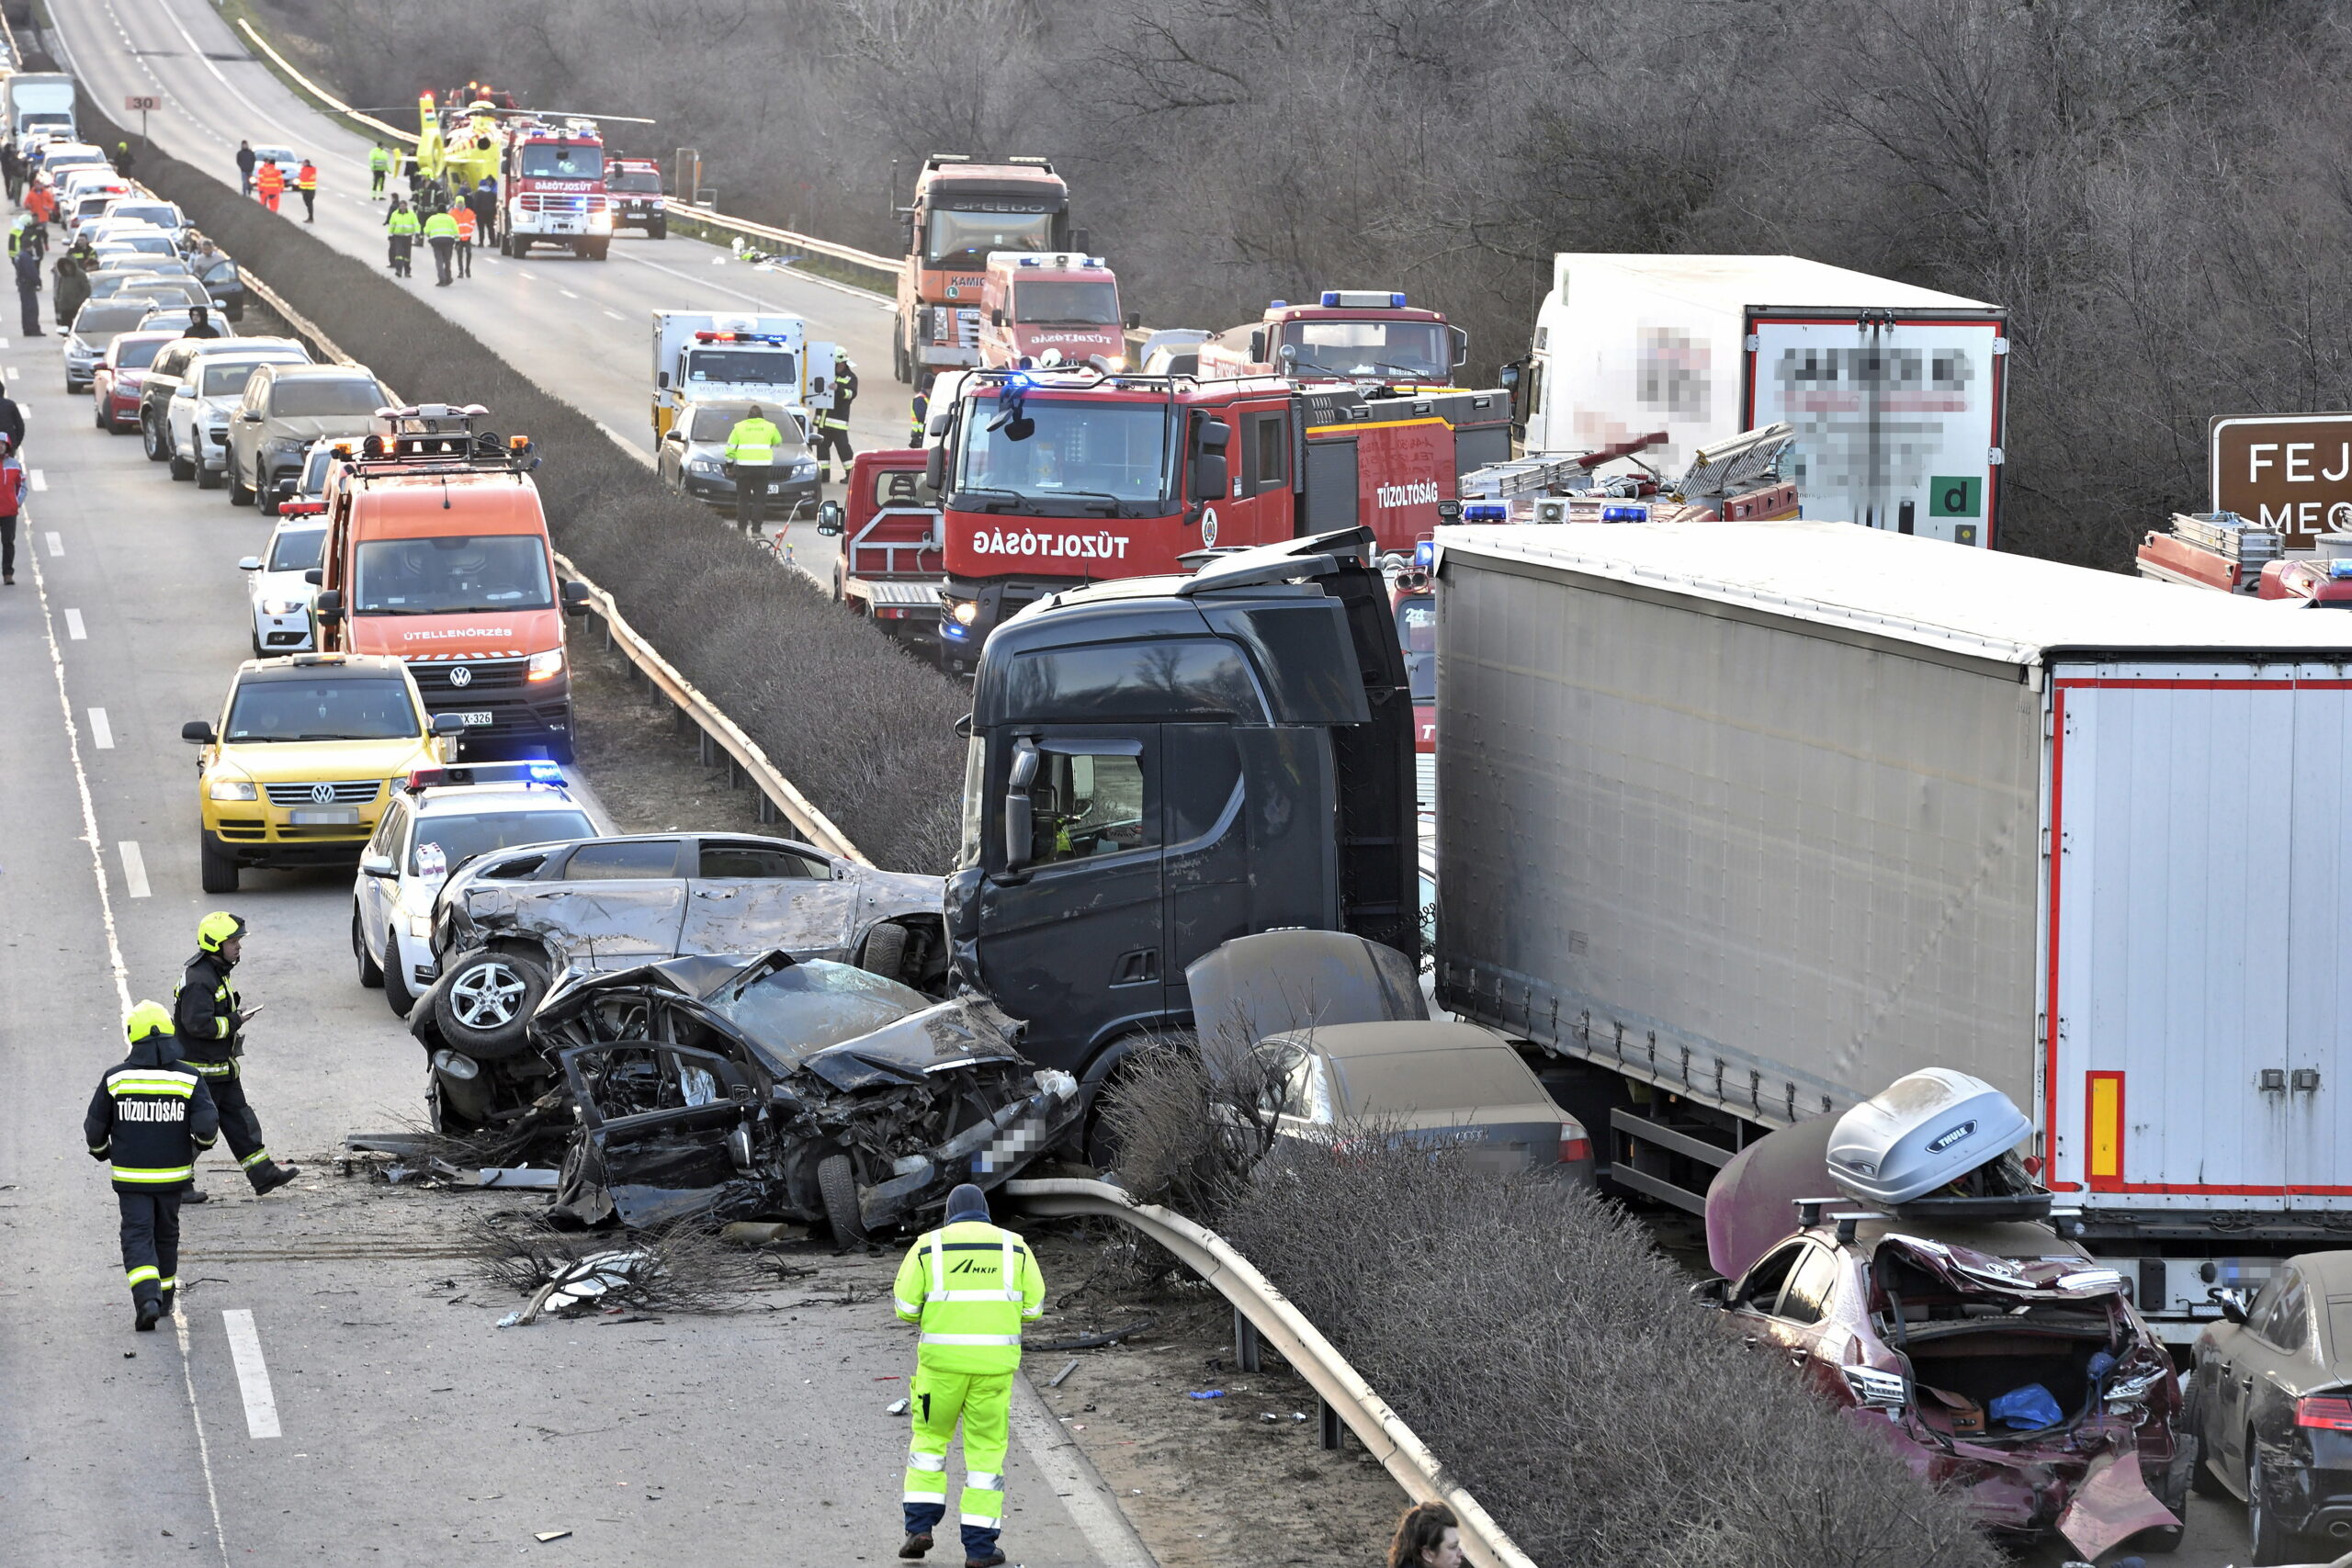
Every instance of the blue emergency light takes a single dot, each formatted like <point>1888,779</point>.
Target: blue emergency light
<point>1485,511</point>
<point>1277,304</point>
<point>1425,556</point>
<point>1625,514</point>
<point>1330,298</point>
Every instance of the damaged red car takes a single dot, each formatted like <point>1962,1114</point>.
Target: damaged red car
<point>1952,1318</point>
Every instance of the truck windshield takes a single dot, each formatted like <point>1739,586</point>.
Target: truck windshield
<point>1086,452</point>
<point>324,400</point>
<point>964,239</point>
<point>562,163</point>
<point>738,367</point>
<point>1373,348</point>
<point>453,574</point>
<point>332,708</point>
<point>1066,302</point>
<point>644,182</point>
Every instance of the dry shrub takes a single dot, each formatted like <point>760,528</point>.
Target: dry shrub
<point>1190,1126</point>
<point>1552,1359</point>
<point>862,730</point>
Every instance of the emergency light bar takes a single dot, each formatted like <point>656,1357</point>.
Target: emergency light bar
<point>1489,512</point>
<point>2339,570</point>
<point>484,773</point>
<point>777,339</point>
<point>1062,261</point>
<point>1632,513</point>
<point>1359,300</point>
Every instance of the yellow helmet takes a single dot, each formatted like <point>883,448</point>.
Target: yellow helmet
<point>217,928</point>
<point>147,1018</point>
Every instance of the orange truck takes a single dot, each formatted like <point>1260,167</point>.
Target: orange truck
<point>963,213</point>
<point>893,553</point>
<point>1051,308</point>
<point>437,553</point>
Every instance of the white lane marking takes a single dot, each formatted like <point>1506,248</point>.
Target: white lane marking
<point>101,732</point>
<point>567,293</point>
<point>527,272</point>
<point>56,544</point>
<point>626,445</point>
<point>134,869</point>
<point>614,314</point>
<point>75,632</point>
<point>38,478</point>
<point>82,786</point>
<point>4,343</point>
<point>187,1377</point>
<point>13,374</point>
<point>253,1375</point>
<point>1111,1540</point>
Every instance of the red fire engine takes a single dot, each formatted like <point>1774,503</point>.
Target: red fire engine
<point>1364,335</point>
<point>1053,478</point>
<point>551,189</point>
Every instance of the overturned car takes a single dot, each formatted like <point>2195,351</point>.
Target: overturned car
<point>774,1088</point>
<point>1932,1299</point>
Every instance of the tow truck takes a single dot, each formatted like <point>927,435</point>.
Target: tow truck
<point>701,355</point>
<point>1050,480</point>
<point>1052,307</point>
<point>963,211</point>
<point>1369,336</point>
<point>891,558</point>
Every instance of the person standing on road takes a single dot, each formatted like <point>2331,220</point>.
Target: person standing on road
<point>73,289</point>
<point>467,226</point>
<point>269,184</point>
<point>41,202</point>
<point>833,423</point>
<point>28,289</point>
<point>13,487</point>
<point>380,164</point>
<point>122,159</point>
<point>150,1115</point>
<point>920,412</point>
<point>749,458</point>
<point>1427,1536</point>
<point>441,232</point>
<point>969,1286</point>
<point>402,225</point>
<point>212,1021</point>
<point>484,201</point>
<point>245,161</point>
<point>306,181</point>
<point>12,169</point>
<point>200,323</point>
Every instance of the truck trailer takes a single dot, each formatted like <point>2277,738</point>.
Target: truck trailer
<point>1897,393</point>
<point>1742,821</point>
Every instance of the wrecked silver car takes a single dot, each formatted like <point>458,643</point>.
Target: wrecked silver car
<point>788,1089</point>
<point>506,923</point>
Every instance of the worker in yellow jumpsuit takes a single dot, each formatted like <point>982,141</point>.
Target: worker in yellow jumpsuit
<point>969,1285</point>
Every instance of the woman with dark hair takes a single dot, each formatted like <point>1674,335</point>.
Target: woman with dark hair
<point>1427,1536</point>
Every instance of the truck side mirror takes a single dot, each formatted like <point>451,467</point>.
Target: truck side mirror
<point>330,605</point>
<point>661,380</point>
<point>935,469</point>
<point>1258,346</point>
<point>1134,320</point>
<point>575,597</point>
<point>314,576</point>
<point>1211,436</point>
<point>1082,240</point>
<point>1461,346</point>
<point>1509,375</point>
<point>829,519</point>
<point>196,732</point>
<point>996,318</point>
<point>1020,820</point>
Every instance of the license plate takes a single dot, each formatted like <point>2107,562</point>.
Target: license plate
<point>336,816</point>
<point>479,718</point>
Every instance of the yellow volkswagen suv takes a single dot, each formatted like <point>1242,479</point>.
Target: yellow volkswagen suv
<point>304,764</point>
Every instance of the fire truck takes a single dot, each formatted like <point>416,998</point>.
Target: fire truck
<point>891,560</point>
<point>963,212</point>
<point>1363,335</point>
<point>552,188</point>
<point>2224,551</point>
<point>1050,480</point>
<point>1052,309</point>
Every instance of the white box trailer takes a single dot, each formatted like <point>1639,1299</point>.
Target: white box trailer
<point>1897,393</point>
<point>1750,819</point>
<point>699,356</point>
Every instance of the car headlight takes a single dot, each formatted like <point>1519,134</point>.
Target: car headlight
<point>231,789</point>
<point>545,666</point>
<point>804,468</point>
<point>420,927</point>
<point>966,611</point>
<point>704,465</point>
<point>281,607</point>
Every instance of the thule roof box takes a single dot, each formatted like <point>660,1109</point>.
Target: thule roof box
<point>1936,1142</point>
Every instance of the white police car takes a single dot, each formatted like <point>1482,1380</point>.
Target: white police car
<point>438,819</point>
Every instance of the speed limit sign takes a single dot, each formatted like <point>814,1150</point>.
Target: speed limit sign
<point>142,104</point>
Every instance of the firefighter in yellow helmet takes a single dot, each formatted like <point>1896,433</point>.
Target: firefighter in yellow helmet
<point>970,1285</point>
<point>212,1019</point>
<point>150,1115</point>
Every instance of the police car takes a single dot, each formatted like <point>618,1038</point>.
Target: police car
<point>438,819</point>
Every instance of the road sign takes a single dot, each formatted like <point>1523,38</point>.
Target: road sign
<point>2291,472</point>
<point>142,104</point>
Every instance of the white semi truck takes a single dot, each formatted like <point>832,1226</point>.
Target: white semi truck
<point>1895,392</point>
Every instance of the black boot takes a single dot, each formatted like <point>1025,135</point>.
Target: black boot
<point>149,1311</point>
<point>165,1310</point>
<point>270,1176</point>
<point>915,1546</point>
<point>193,1195</point>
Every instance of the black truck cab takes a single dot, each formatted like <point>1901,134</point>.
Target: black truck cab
<point>1159,764</point>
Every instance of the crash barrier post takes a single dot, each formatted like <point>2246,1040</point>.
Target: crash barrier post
<point>846,255</point>
<point>743,753</point>
<point>1343,1392</point>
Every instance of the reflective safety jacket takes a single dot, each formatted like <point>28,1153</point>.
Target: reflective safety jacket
<point>441,226</point>
<point>379,160</point>
<point>307,177</point>
<point>754,441</point>
<point>204,1010</point>
<point>270,181</point>
<point>970,1285</point>
<point>401,220</point>
<point>467,223</point>
<point>149,1117</point>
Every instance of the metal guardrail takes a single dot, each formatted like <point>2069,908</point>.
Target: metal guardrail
<point>1382,1431</point>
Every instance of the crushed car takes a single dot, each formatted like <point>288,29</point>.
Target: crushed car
<point>774,1088</point>
<point>1931,1296</point>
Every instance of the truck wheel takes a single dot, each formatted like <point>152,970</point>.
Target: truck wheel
<point>561,750</point>
<point>899,356</point>
<point>484,1005</point>
<point>837,1185</point>
<point>371,974</point>
<point>885,953</point>
<point>600,250</point>
<point>205,479</point>
<point>217,863</point>
<point>396,990</point>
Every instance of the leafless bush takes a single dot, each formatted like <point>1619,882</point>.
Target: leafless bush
<point>1190,1126</point>
<point>1548,1354</point>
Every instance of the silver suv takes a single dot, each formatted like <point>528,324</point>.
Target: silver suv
<point>287,407</point>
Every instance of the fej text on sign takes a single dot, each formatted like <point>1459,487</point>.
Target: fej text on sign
<point>2290,471</point>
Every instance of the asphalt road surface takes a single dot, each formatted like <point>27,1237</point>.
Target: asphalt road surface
<point>581,330</point>
<point>336,1388</point>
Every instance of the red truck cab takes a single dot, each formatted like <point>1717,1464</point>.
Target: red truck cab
<point>891,557</point>
<point>1364,335</point>
<point>963,212</point>
<point>2320,582</point>
<point>1037,305</point>
<point>437,553</point>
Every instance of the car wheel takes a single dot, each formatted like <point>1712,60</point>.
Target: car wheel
<point>485,1004</point>
<point>104,419</point>
<point>217,863</point>
<point>837,1185</point>
<point>151,439</point>
<point>2203,1479</point>
<point>658,232</point>
<point>266,495</point>
<point>2272,1542</point>
<point>396,990</point>
<point>561,751</point>
<point>371,974</point>
<point>205,479</point>
<point>239,495</point>
<point>885,953</point>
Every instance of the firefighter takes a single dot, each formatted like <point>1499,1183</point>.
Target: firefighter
<point>922,415</point>
<point>400,224</point>
<point>749,456</point>
<point>380,164</point>
<point>969,1285</point>
<point>441,232</point>
<point>151,1114</point>
<point>833,423</point>
<point>269,184</point>
<point>469,225</point>
<point>211,1023</point>
<point>306,181</point>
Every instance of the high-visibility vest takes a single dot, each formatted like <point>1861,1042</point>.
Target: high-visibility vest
<point>379,160</point>
<point>403,220</point>
<point>441,226</point>
<point>270,182</point>
<point>971,1285</point>
<point>466,222</point>
<point>307,178</point>
<point>754,441</point>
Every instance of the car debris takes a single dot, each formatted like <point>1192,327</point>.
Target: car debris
<point>589,1284</point>
<point>1933,1299</point>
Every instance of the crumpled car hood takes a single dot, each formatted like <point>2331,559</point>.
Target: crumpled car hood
<point>2053,1279</point>
<point>950,1034</point>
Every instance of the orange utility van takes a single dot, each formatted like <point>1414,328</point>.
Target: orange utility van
<point>437,553</point>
